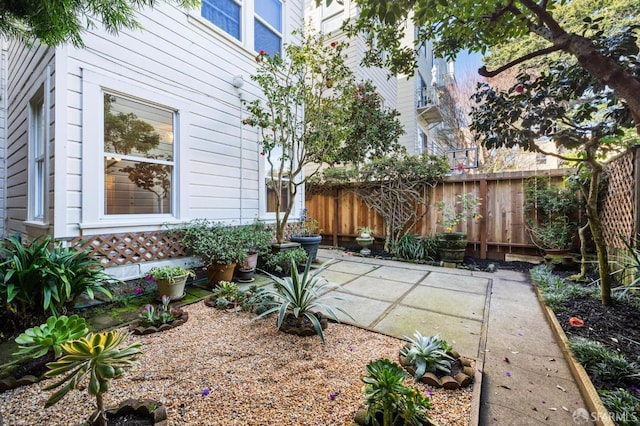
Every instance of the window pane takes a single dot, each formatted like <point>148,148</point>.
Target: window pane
<point>271,12</point>
<point>133,187</point>
<point>265,39</point>
<point>224,14</point>
<point>39,194</point>
<point>133,128</point>
<point>272,194</point>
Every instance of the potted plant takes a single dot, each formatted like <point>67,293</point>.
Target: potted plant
<point>164,317</point>
<point>298,300</point>
<point>257,239</point>
<point>98,358</point>
<point>308,236</point>
<point>451,243</point>
<point>170,280</point>
<point>219,246</point>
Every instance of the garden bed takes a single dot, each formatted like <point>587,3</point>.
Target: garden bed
<point>223,368</point>
<point>616,327</point>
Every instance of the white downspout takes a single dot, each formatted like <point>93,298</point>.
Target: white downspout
<point>238,82</point>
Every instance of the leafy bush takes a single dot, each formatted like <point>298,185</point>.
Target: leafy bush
<point>386,394</point>
<point>280,263</point>
<point>300,295</point>
<point>35,279</point>
<point>214,242</point>
<point>413,247</point>
<point>428,354</point>
<point>38,341</point>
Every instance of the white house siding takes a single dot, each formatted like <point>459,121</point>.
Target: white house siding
<point>28,71</point>
<point>3,131</point>
<point>179,61</point>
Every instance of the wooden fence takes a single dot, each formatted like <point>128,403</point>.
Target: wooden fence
<point>340,212</point>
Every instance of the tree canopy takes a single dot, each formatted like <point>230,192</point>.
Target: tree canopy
<point>55,22</point>
<point>479,26</point>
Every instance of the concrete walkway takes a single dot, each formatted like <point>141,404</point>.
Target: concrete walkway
<point>495,317</point>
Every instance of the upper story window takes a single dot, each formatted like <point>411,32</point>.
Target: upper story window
<point>138,157</point>
<point>267,30</point>
<point>257,24</point>
<point>225,14</point>
<point>37,160</point>
<point>332,16</point>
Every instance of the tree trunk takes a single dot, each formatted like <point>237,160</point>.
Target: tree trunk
<point>596,231</point>
<point>583,254</point>
<point>608,72</point>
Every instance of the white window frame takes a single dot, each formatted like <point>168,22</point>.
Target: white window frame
<point>94,219</point>
<point>247,16</point>
<point>280,34</point>
<point>332,15</point>
<point>38,173</point>
<point>262,194</point>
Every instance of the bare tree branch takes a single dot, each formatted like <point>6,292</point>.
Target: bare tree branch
<point>486,73</point>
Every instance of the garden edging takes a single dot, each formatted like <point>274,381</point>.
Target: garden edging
<point>581,377</point>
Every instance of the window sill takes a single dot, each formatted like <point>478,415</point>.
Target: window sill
<point>126,225</point>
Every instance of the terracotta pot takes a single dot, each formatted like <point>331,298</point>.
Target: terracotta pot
<point>217,272</point>
<point>174,288</point>
<point>250,262</point>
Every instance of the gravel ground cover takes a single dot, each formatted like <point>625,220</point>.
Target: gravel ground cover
<point>224,368</point>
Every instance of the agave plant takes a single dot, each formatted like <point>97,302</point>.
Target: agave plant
<point>37,341</point>
<point>300,295</point>
<point>427,354</point>
<point>95,356</point>
<point>386,393</point>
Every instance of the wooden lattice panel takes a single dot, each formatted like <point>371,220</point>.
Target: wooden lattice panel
<point>132,247</point>
<point>617,205</point>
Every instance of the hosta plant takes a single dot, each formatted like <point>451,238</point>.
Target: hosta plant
<point>300,295</point>
<point>96,357</point>
<point>427,354</point>
<point>388,397</point>
<point>38,341</point>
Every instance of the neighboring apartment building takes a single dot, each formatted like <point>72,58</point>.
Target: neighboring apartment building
<point>113,141</point>
<point>414,97</point>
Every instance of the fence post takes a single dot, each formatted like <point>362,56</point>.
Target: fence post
<point>336,216</point>
<point>483,220</point>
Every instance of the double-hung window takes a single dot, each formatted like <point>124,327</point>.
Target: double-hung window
<point>267,28</point>
<point>138,157</point>
<point>332,16</point>
<point>225,14</point>
<point>257,24</point>
<point>37,160</point>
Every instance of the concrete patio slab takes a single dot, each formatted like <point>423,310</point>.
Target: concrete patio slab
<point>464,283</point>
<point>364,311</point>
<point>448,302</point>
<point>377,288</point>
<point>462,333</point>
<point>352,267</point>
<point>397,274</point>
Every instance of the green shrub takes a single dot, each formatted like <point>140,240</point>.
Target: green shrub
<point>35,279</point>
<point>280,263</point>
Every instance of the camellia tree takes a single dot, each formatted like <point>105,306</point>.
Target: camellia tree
<point>54,22</point>
<point>479,26</point>
<point>312,113</point>
<point>567,104</point>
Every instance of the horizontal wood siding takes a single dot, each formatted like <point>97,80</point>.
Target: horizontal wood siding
<point>183,57</point>
<point>340,212</point>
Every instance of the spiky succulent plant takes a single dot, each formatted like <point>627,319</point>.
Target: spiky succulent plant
<point>427,354</point>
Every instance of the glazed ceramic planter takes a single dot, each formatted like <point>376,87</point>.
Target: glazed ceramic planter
<point>309,244</point>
